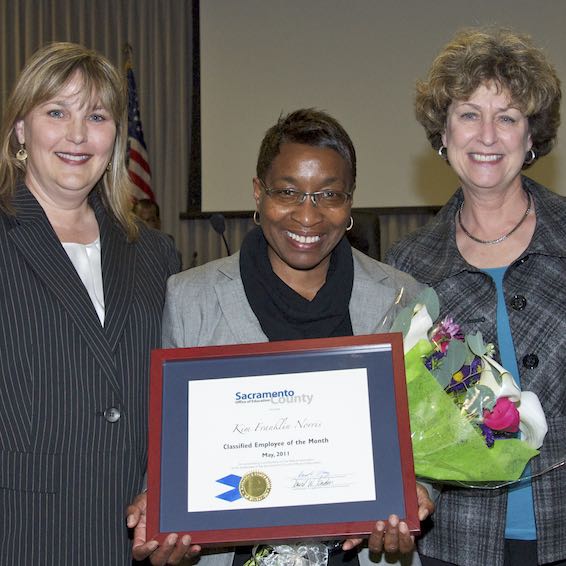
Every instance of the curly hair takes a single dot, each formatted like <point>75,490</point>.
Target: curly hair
<point>46,73</point>
<point>478,56</point>
<point>307,126</point>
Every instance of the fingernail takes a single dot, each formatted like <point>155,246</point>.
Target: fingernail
<point>186,540</point>
<point>393,520</point>
<point>172,539</point>
<point>380,526</point>
<point>403,528</point>
<point>130,521</point>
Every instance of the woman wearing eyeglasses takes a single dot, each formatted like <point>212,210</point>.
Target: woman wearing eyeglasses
<point>295,277</point>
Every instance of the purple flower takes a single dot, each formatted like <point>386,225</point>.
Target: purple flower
<point>465,377</point>
<point>488,434</point>
<point>447,330</point>
<point>432,361</point>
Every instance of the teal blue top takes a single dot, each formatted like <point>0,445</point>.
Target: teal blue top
<point>520,523</point>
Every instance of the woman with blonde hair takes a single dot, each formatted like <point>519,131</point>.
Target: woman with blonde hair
<point>82,291</point>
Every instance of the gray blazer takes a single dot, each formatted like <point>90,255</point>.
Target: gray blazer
<point>469,525</point>
<point>73,394</point>
<point>207,306</point>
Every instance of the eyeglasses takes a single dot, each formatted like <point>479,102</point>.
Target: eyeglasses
<point>293,197</point>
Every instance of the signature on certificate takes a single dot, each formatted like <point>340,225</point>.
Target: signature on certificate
<point>316,480</point>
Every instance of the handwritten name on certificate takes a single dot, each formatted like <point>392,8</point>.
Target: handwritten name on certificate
<point>279,440</point>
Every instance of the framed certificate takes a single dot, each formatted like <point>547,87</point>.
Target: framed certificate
<point>279,441</point>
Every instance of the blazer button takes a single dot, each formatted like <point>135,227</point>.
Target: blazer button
<point>518,302</point>
<point>112,414</point>
<point>530,361</point>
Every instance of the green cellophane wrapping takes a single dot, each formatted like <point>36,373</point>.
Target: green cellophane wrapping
<point>446,445</point>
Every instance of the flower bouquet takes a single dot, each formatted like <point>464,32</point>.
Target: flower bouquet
<point>470,422</point>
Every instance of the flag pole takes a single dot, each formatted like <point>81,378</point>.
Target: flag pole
<point>127,54</point>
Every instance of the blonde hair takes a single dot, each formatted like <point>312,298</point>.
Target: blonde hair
<point>478,56</point>
<point>46,73</point>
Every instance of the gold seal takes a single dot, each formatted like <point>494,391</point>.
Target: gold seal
<point>255,486</point>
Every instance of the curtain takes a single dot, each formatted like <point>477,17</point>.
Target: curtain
<point>160,33</point>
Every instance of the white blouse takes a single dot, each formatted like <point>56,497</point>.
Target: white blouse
<point>87,261</point>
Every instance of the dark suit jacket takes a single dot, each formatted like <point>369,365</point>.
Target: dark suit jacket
<point>73,394</point>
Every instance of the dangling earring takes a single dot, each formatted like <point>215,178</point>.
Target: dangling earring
<point>21,154</point>
<point>531,158</point>
<point>441,152</point>
<point>109,166</point>
<point>256,218</point>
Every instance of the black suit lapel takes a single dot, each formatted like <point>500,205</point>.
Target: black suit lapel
<point>37,242</point>
<point>118,273</point>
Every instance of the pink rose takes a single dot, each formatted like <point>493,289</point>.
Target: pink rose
<point>504,416</point>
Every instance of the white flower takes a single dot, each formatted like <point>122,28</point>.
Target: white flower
<point>508,387</point>
<point>421,323</point>
<point>533,422</point>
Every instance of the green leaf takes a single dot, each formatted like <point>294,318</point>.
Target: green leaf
<point>487,396</point>
<point>473,402</point>
<point>402,322</point>
<point>455,356</point>
<point>469,356</point>
<point>429,298</point>
<point>475,343</point>
<point>442,375</point>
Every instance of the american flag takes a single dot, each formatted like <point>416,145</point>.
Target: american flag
<point>137,159</point>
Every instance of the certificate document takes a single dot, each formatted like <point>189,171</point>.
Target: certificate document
<point>277,441</point>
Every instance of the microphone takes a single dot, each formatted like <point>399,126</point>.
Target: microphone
<point>219,225</point>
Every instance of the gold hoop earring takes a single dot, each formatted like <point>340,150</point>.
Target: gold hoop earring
<point>21,154</point>
<point>351,225</point>
<point>256,218</point>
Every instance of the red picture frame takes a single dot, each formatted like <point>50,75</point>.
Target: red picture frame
<point>172,369</point>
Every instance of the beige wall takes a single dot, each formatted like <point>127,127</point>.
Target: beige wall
<point>357,59</point>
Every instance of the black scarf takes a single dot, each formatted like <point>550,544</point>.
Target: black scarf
<point>283,314</point>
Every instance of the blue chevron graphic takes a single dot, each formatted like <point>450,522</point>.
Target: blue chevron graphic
<point>232,481</point>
